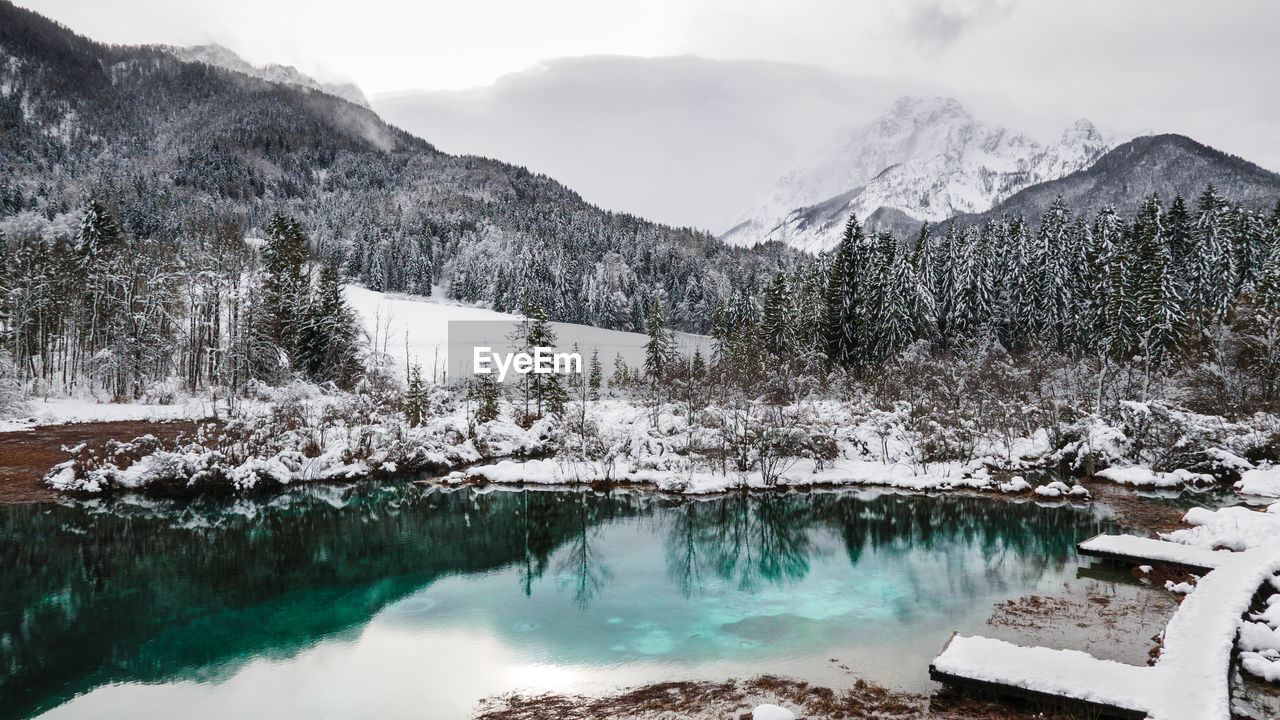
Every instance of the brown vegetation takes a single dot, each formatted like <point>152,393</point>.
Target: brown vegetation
<point>26,455</point>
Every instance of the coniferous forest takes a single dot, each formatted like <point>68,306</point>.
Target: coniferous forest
<point>1177,286</point>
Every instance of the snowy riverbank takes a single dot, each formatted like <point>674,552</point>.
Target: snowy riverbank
<point>303,433</point>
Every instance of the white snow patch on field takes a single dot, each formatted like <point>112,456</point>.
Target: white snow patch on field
<point>412,329</point>
<point>56,411</point>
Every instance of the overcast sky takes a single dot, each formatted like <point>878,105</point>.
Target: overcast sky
<point>1203,68</point>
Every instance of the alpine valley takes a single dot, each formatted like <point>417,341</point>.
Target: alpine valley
<point>874,437</point>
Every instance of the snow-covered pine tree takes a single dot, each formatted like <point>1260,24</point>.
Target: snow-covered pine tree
<point>1050,275</point>
<point>1158,312</point>
<point>1212,272</point>
<point>1105,271</point>
<point>698,366</point>
<point>1020,302</point>
<point>1179,229</point>
<point>327,349</point>
<point>620,372</point>
<point>1249,246</point>
<point>906,306</point>
<point>414,403</point>
<point>99,237</point>
<point>777,324</point>
<point>285,285</point>
<point>543,392</point>
<point>595,375</point>
<point>841,300</point>
<point>965,284</point>
<point>1079,284</point>
<point>660,348</point>
<point>876,304</point>
<point>486,393</point>
<point>1266,288</point>
<point>98,247</point>
<point>1273,225</point>
<point>945,277</point>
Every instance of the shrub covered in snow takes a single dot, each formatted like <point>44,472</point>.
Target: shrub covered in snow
<point>164,392</point>
<point>10,388</point>
<point>302,434</point>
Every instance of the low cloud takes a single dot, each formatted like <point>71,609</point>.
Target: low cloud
<point>934,24</point>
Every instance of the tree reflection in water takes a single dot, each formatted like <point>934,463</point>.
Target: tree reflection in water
<point>740,538</point>
<point>132,590</point>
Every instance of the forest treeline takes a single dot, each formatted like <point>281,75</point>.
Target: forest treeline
<point>97,306</point>
<point>99,309</point>
<point>1159,289</point>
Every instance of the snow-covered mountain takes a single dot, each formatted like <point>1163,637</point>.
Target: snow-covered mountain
<point>683,140</point>
<point>927,159</point>
<point>222,57</point>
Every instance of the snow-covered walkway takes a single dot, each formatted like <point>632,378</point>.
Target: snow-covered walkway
<point>1189,681</point>
<point>1126,548</point>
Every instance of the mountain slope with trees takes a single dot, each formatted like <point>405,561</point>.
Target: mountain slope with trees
<point>165,144</point>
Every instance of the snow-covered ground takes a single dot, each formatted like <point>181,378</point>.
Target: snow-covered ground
<point>415,330</point>
<point>55,411</point>
<point>1262,481</point>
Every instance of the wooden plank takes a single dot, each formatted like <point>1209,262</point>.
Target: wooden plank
<point>1130,559</point>
<point>1090,707</point>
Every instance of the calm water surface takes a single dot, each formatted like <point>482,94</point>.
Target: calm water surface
<point>404,601</point>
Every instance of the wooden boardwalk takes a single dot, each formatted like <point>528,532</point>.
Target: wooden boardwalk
<point>1189,681</point>
<point>1137,550</point>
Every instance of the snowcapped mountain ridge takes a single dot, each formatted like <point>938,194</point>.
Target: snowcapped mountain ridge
<point>929,159</point>
<point>222,57</point>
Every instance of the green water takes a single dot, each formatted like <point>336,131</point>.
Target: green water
<point>402,601</point>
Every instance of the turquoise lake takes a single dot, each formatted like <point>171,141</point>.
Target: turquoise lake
<point>399,600</point>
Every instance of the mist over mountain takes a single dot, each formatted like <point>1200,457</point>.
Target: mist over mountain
<point>683,140</point>
<point>923,160</point>
<point>222,57</point>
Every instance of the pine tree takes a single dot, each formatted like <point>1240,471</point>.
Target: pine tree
<point>284,284</point>
<point>1249,247</point>
<point>595,374</point>
<point>698,366</point>
<point>99,237</point>
<point>905,311</point>
<point>1178,227</point>
<point>1050,279</point>
<point>777,324</point>
<point>620,372</point>
<point>543,392</point>
<point>1212,271</point>
<point>1273,223</point>
<point>326,337</point>
<point>1019,301</point>
<point>841,303</point>
<point>1266,289</point>
<point>414,404</point>
<point>661,345</point>
<point>485,392</point>
<point>1105,307</point>
<point>1158,312</point>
